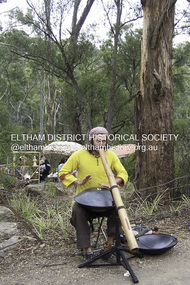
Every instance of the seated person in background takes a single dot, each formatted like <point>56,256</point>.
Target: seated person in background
<point>61,163</point>
<point>44,168</point>
<point>90,174</point>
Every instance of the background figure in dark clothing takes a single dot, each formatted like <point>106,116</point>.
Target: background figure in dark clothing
<point>44,168</point>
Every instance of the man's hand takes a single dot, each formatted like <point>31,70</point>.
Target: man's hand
<point>82,182</point>
<point>107,185</point>
<point>104,185</point>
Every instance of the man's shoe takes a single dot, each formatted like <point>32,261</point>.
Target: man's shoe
<point>89,255</point>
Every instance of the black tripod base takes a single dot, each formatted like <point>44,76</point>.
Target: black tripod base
<point>121,259</point>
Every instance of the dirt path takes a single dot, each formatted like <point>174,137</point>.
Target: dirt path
<point>56,261</point>
<point>57,264</point>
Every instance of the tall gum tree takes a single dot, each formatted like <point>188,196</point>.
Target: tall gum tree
<point>62,54</point>
<point>153,107</point>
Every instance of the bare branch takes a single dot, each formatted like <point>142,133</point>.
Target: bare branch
<point>125,103</point>
<point>130,21</point>
<point>4,93</point>
<point>77,26</point>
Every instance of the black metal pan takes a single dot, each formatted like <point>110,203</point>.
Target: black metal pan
<point>95,199</point>
<point>153,244</point>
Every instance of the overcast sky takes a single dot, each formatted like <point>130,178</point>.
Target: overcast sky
<point>94,13</point>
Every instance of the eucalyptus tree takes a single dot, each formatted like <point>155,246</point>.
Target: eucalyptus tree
<point>60,49</point>
<point>127,77</point>
<point>18,82</point>
<point>154,106</point>
<point>56,50</point>
<point>114,45</point>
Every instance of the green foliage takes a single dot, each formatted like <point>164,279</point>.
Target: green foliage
<point>54,217</point>
<point>25,206</point>
<point>51,190</point>
<point>8,182</point>
<point>149,207</point>
<point>91,69</point>
<point>181,73</point>
<point>28,59</point>
<point>140,207</point>
<point>178,206</point>
<point>129,164</point>
<point>64,214</point>
<point>46,221</point>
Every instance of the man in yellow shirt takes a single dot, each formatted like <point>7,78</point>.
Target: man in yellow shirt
<point>91,174</point>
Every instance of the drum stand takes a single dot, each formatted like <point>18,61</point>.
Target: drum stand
<point>118,251</point>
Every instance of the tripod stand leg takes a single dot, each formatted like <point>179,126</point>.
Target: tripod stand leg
<point>128,267</point>
<point>90,261</point>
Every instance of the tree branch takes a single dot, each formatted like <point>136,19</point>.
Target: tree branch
<point>76,27</point>
<point>125,103</point>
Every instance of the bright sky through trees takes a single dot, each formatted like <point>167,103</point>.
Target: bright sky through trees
<point>96,16</point>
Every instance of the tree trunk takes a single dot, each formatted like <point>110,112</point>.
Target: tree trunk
<point>76,28</point>
<point>154,110</point>
<point>113,87</point>
<point>42,91</point>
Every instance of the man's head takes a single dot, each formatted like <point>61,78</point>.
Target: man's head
<point>98,131</point>
<point>42,160</point>
<point>98,137</point>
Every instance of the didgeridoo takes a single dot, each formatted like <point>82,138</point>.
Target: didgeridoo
<point>119,204</point>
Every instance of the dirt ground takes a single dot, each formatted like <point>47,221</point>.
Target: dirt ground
<point>56,261</point>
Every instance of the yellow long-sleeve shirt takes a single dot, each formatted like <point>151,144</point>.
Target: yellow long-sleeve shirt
<point>86,164</point>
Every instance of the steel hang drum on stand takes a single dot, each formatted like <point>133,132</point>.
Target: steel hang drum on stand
<point>117,250</point>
